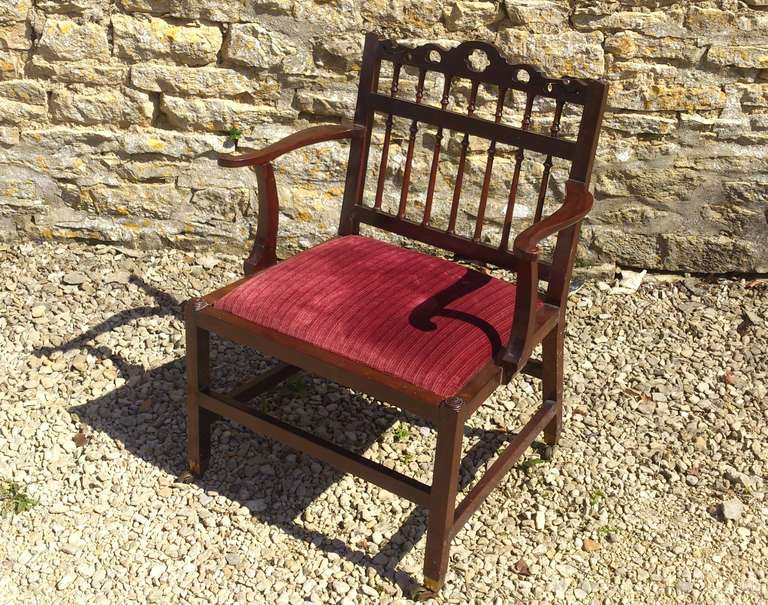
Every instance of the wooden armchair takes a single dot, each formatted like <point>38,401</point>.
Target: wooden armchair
<point>420,332</point>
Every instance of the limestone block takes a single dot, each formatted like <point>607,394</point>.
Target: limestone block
<point>217,115</point>
<point>14,10</point>
<point>15,36</point>
<point>221,204</point>
<point>11,64</point>
<point>739,56</point>
<point>22,101</point>
<point>342,54</point>
<point>156,7</point>
<point>567,53</point>
<point>66,40</point>
<point>754,95</point>
<point>197,82</point>
<point>18,194</point>
<point>78,72</point>
<point>232,11</point>
<point>469,14</point>
<point>404,18</point>
<point>88,106</point>
<point>256,46</point>
<point>141,200</point>
<point>638,123</point>
<point>9,135</point>
<point>631,45</point>
<point>337,102</point>
<point>538,15</point>
<point>205,173</point>
<point>171,144</point>
<point>154,171</point>
<point>660,24</point>
<point>93,9</point>
<point>147,38</point>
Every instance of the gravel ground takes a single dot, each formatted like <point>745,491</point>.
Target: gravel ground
<point>657,494</point>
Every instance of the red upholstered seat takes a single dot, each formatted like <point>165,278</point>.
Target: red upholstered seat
<point>423,319</point>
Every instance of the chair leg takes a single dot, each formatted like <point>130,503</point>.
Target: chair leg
<point>445,481</point>
<point>199,420</point>
<point>552,382</point>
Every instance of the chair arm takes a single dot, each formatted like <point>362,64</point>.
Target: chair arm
<point>578,203</point>
<point>308,136</point>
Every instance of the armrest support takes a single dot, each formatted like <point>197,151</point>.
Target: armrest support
<point>526,334</point>
<point>578,203</point>
<point>308,136</point>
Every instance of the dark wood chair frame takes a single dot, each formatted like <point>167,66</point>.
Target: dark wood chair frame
<point>534,323</point>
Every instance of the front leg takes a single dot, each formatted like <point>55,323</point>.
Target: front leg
<point>445,483</point>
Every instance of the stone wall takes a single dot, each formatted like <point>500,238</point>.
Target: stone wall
<point>111,114</point>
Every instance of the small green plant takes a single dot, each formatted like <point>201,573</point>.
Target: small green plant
<point>605,530</point>
<point>530,463</point>
<point>596,496</point>
<point>14,498</point>
<point>234,134</point>
<point>296,384</point>
<point>402,433</point>
<point>407,457</point>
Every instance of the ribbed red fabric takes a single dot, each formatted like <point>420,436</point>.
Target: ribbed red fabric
<point>423,319</point>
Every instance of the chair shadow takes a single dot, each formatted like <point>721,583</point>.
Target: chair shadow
<point>147,416</point>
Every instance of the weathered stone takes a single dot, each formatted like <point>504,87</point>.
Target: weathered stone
<point>566,53</point>
<point>332,102</point>
<point>635,123</point>
<point>662,23</point>
<point>150,201</point>
<point>15,36</point>
<point>221,204</point>
<point>739,56</point>
<point>22,101</point>
<point>171,144</point>
<point>339,53</point>
<point>101,106</point>
<point>470,15</point>
<point>216,115</point>
<point>187,81</point>
<point>14,10</point>
<point>150,171</point>
<point>66,40</point>
<point>403,18</point>
<point>538,15</point>
<point>18,195</point>
<point>147,38</point>
<point>11,64</point>
<point>9,135</point>
<point>259,47</point>
<point>91,9</point>
<point>156,7</point>
<point>228,12</point>
<point>78,72</point>
<point>630,45</point>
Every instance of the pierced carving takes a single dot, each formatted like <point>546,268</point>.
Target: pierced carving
<point>482,61</point>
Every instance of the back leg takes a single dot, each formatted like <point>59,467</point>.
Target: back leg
<point>552,383</point>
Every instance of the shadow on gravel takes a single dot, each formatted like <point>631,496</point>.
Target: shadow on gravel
<point>147,415</point>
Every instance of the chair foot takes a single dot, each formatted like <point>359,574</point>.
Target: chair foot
<point>187,476</point>
<point>547,452</point>
<point>426,591</point>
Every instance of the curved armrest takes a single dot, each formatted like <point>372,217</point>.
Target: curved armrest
<point>578,203</point>
<point>308,136</point>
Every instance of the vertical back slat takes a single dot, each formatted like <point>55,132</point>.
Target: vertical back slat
<point>519,156</point>
<point>462,161</point>
<point>436,154</point>
<point>409,155</point>
<point>553,131</point>
<point>387,137</point>
<point>488,169</point>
